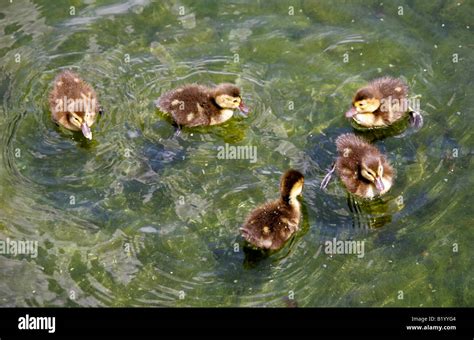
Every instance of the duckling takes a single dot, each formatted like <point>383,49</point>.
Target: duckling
<point>73,103</point>
<point>382,103</point>
<point>195,105</point>
<point>272,224</point>
<point>362,168</point>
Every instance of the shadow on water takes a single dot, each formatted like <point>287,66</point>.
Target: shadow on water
<point>369,214</point>
<point>398,129</point>
<point>159,155</point>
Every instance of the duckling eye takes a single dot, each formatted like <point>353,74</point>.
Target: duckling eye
<point>368,174</point>
<point>75,119</point>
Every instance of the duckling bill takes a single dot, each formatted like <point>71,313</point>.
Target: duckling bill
<point>73,103</point>
<point>196,105</point>
<point>272,224</point>
<point>363,169</point>
<point>382,103</point>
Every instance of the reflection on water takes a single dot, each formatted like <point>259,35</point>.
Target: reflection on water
<point>139,217</point>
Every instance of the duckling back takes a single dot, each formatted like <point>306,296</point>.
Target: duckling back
<point>191,105</point>
<point>271,225</point>
<point>69,86</point>
<point>393,95</point>
<point>390,87</point>
<point>353,147</point>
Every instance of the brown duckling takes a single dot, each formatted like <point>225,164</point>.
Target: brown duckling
<point>362,168</point>
<point>195,105</point>
<point>272,224</point>
<point>382,103</point>
<point>73,103</point>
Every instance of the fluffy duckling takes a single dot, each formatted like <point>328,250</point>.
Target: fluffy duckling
<point>362,168</point>
<point>272,224</point>
<point>381,103</point>
<point>195,105</point>
<point>73,103</point>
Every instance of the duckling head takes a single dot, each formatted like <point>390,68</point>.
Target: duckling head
<point>366,101</point>
<point>291,185</point>
<point>372,169</point>
<point>227,96</point>
<point>82,121</point>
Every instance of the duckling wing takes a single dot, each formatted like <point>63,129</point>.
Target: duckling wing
<point>347,171</point>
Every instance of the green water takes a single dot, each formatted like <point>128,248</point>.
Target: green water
<point>138,217</point>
